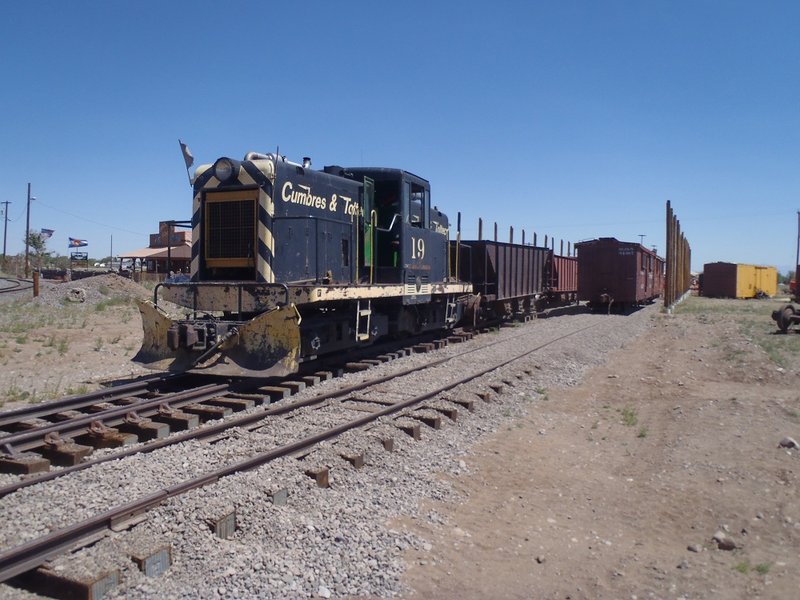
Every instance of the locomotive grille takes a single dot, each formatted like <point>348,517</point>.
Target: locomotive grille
<point>230,223</point>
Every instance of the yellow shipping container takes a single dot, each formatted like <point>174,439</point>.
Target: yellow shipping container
<point>752,280</point>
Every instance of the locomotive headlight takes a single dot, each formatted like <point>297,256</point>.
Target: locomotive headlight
<point>224,169</point>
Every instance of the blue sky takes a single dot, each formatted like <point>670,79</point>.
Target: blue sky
<point>574,119</point>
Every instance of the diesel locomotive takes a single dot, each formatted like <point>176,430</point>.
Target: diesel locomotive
<point>289,263</point>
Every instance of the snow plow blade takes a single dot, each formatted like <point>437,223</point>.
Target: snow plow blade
<point>266,346</point>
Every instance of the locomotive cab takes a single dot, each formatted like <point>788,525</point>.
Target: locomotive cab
<point>410,236</point>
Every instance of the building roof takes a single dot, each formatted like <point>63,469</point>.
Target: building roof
<point>183,251</point>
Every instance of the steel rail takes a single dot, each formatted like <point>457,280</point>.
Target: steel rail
<point>34,553</point>
<point>212,430</point>
<point>14,443</point>
<point>17,285</point>
<point>241,421</point>
<point>9,417</point>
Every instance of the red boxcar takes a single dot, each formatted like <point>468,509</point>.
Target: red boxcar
<point>619,274</point>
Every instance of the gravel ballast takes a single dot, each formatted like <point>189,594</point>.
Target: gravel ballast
<point>331,542</point>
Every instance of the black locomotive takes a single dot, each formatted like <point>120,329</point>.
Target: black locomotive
<point>289,263</point>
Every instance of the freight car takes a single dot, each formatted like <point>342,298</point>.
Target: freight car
<point>561,283</point>
<point>508,279</point>
<point>289,263</point>
<point>614,274</point>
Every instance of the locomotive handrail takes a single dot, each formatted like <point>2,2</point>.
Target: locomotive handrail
<point>373,222</point>
<point>458,253</point>
<point>391,225</point>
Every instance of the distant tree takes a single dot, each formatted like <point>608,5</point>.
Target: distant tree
<point>60,262</point>
<point>38,248</point>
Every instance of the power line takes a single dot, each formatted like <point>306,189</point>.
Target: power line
<point>89,220</point>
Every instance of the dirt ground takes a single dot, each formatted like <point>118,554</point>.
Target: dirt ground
<point>616,488</point>
<point>69,339</point>
<point>611,489</point>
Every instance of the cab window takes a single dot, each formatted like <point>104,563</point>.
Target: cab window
<point>418,205</point>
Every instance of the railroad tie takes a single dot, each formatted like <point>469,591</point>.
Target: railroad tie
<point>58,584</point>
<point>24,464</point>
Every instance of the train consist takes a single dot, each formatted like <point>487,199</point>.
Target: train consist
<point>290,263</point>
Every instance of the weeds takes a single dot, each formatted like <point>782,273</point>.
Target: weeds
<point>76,391</point>
<point>629,418</point>
<point>742,567</point>
<point>755,327</point>
<point>15,394</point>
<point>763,568</point>
<point>101,306</point>
<point>642,432</point>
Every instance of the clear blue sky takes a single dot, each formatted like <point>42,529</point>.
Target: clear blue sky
<point>575,119</point>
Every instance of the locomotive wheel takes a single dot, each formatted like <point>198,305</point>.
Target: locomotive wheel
<point>783,317</point>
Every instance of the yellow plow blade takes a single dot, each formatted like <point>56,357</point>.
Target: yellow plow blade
<point>267,345</point>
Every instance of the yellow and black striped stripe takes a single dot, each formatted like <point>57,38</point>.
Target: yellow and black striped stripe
<point>260,173</point>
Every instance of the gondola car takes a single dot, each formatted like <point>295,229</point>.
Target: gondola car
<point>508,279</point>
<point>290,263</point>
<point>561,280</point>
<point>618,275</point>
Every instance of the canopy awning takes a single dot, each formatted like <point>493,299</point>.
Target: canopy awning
<point>184,251</point>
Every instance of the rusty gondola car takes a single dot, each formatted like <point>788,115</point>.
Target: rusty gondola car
<point>618,275</point>
<point>561,281</point>
<point>508,278</point>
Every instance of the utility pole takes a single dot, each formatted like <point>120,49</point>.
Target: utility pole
<point>5,230</point>
<point>27,232</point>
<point>797,257</point>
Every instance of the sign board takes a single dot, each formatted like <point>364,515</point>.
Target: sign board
<point>79,259</point>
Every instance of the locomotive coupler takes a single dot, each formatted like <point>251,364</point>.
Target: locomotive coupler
<point>191,336</point>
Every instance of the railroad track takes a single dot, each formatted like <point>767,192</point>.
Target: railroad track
<point>152,409</point>
<point>66,431</point>
<point>116,419</point>
<point>10,284</point>
<point>355,407</point>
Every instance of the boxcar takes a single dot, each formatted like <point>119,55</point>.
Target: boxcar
<point>508,277</point>
<point>618,274</point>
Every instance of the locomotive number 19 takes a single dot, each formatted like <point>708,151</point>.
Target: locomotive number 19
<point>417,248</point>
